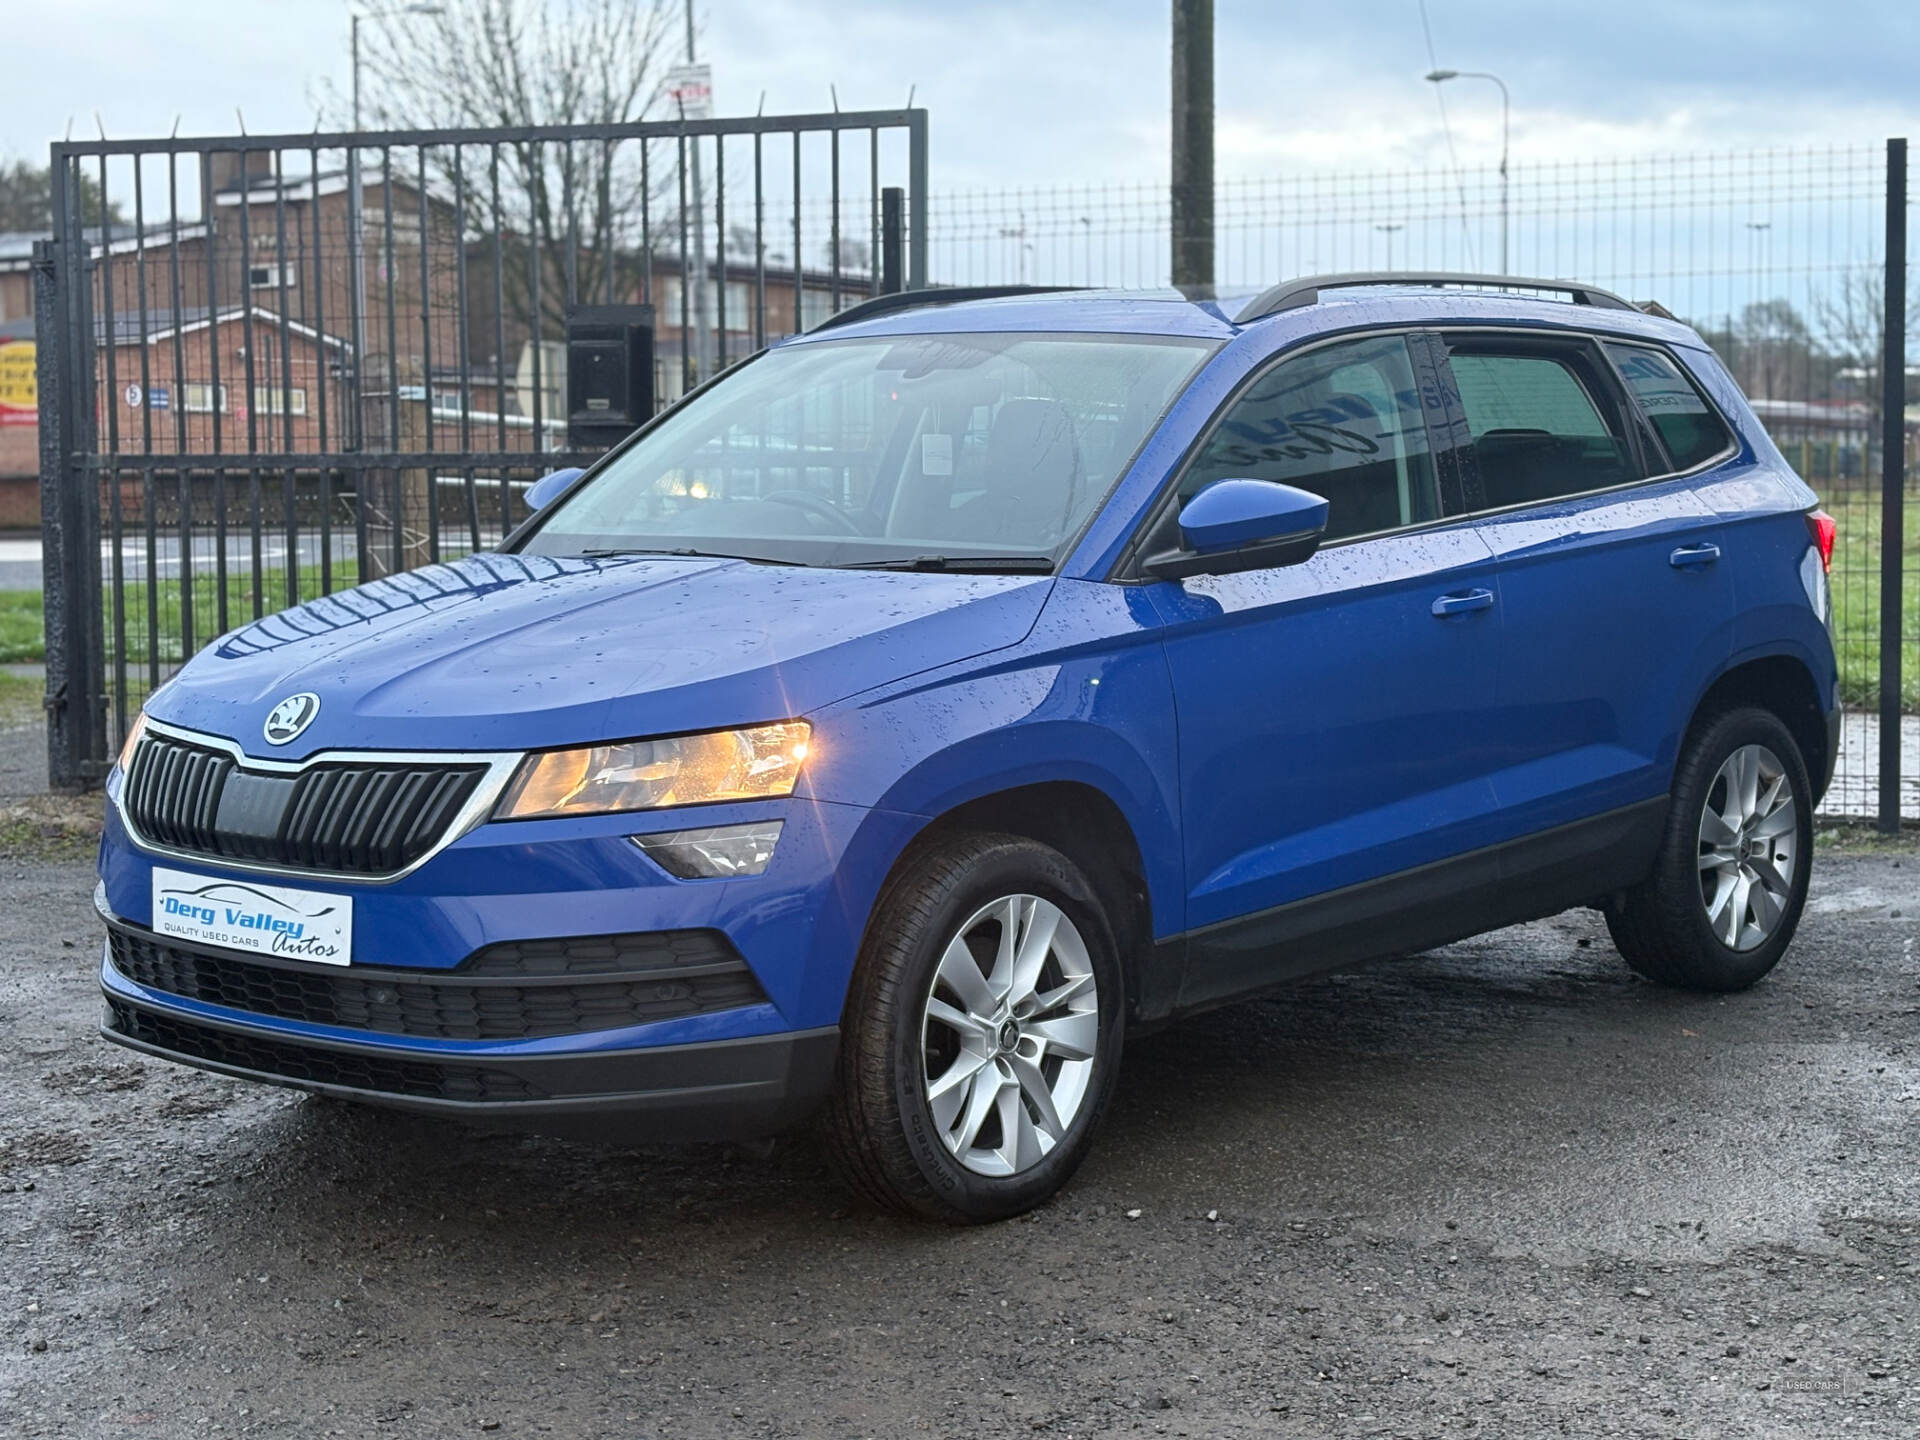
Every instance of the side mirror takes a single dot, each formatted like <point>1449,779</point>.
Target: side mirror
<point>549,488</point>
<point>1235,525</point>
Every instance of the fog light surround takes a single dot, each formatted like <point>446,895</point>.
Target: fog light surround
<point>714,852</point>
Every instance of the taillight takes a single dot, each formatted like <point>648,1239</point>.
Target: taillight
<point>1821,526</point>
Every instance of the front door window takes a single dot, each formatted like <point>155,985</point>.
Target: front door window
<point>1343,421</point>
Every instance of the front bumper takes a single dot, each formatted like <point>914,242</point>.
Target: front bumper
<point>413,1025</point>
<point>798,925</point>
<point>719,1089</point>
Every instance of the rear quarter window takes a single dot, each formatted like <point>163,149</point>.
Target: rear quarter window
<point>1689,427</point>
<point>1538,432</point>
<point>1524,392</point>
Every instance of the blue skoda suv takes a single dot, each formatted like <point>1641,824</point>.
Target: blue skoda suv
<point>887,729</point>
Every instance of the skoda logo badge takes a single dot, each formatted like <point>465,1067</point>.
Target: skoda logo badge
<point>291,716</point>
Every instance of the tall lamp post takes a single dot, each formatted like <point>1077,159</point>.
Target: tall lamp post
<point>1440,77</point>
<point>701,338</point>
<point>1387,228</point>
<point>356,238</point>
<point>1759,232</point>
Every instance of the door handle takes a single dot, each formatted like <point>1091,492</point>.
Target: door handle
<point>1463,602</point>
<point>1694,557</point>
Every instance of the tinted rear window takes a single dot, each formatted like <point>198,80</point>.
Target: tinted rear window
<point>1537,433</point>
<point>1523,392</point>
<point>1691,429</point>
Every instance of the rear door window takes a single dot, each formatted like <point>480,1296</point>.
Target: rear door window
<point>1540,424</point>
<point>1689,427</point>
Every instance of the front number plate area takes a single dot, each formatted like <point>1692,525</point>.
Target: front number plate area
<point>245,915</point>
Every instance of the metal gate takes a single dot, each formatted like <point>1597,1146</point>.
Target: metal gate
<point>272,367</point>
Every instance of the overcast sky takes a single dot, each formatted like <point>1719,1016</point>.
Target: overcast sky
<point>1074,91</point>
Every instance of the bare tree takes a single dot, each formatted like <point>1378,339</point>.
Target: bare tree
<point>561,218</point>
<point>560,211</point>
<point>1853,325</point>
<point>855,255</point>
<point>1775,350</point>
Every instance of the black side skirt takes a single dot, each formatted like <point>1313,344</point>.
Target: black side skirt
<point>1525,879</point>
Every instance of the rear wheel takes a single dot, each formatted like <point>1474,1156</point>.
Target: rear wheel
<point>1725,895</point>
<point>982,1034</point>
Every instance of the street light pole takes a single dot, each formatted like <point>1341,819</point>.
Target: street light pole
<point>1759,232</point>
<point>699,277</point>
<point>356,260</point>
<point>1387,228</point>
<point>1439,77</point>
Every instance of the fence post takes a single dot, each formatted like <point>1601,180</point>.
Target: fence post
<point>62,520</point>
<point>1893,482</point>
<point>893,220</point>
<point>917,204</point>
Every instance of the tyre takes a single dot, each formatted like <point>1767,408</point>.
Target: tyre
<point>982,1032</point>
<point>1727,889</point>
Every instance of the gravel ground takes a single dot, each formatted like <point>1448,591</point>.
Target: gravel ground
<point>1501,1189</point>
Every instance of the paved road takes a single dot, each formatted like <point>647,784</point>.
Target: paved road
<point>1501,1189</point>
<point>1856,780</point>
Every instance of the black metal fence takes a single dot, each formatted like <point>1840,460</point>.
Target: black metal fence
<point>1781,259</point>
<point>305,362</point>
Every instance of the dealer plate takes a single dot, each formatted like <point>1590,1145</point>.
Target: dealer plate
<point>244,915</point>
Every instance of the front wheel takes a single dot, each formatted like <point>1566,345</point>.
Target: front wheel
<point>982,1033</point>
<point>1726,893</point>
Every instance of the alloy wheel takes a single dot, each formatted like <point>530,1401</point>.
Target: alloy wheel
<point>1009,1033</point>
<point>1749,845</point>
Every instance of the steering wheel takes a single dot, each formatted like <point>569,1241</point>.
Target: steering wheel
<point>814,505</point>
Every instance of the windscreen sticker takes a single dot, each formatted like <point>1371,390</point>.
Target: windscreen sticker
<point>936,453</point>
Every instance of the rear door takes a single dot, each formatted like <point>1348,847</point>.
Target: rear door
<point>1616,608</point>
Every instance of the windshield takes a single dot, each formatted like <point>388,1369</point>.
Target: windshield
<point>941,451</point>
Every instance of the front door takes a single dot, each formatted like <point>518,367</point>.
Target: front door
<point>1331,714</point>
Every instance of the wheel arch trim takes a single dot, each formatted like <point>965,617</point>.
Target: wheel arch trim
<point>1755,675</point>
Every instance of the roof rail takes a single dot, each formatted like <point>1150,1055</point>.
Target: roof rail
<point>933,295</point>
<point>1293,294</point>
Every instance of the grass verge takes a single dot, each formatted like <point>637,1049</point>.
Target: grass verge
<point>151,612</point>
<point>22,627</point>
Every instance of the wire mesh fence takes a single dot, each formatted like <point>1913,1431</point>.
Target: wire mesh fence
<point>1777,257</point>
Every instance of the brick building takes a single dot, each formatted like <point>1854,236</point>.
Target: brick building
<point>16,276</point>
<point>274,254</point>
<point>172,382</point>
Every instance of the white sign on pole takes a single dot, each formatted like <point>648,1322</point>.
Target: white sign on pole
<point>689,92</point>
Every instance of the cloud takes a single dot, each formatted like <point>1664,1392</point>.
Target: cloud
<point>1074,92</point>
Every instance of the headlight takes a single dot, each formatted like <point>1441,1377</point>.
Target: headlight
<point>132,742</point>
<point>646,774</point>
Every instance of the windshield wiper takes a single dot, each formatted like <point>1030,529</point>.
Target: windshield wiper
<point>960,564</point>
<point>684,555</point>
